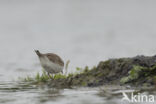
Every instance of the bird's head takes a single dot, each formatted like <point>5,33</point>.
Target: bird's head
<point>38,53</point>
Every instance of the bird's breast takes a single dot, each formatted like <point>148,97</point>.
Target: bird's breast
<point>50,66</point>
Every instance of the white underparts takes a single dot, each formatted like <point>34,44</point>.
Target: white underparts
<point>49,66</point>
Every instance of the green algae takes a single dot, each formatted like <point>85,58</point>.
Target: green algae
<point>133,74</point>
<point>44,77</point>
<point>139,72</point>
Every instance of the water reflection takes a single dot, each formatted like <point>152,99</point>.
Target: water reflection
<point>22,93</point>
<point>49,95</point>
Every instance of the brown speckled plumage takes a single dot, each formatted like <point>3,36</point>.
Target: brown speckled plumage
<point>54,58</point>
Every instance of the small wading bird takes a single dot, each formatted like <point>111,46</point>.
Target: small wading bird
<point>51,62</point>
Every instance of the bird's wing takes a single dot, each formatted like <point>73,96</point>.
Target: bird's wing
<point>55,58</point>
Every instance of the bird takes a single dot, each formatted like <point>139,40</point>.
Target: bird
<point>51,62</point>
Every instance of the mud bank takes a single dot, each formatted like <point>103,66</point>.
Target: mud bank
<point>136,71</point>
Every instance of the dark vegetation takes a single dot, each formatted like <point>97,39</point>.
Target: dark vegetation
<point>135,71</point>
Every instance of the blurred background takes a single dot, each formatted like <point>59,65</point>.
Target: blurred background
<point>83,31</point>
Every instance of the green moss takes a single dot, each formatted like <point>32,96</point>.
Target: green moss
<point>107,62</point>
<point>86,69</point>
<point>124,80</point>
<point>28,79</point>
<point>154,79</point>
<point>70,75</point>
<point>83,83</point>
<point>38,78</point>
<point>59,76</point>
<point>44,77</point>
<point>78,69</point>
<point>134,73</point>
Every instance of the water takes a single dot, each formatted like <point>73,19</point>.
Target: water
<point>83,31</point>
<point>25,93</point>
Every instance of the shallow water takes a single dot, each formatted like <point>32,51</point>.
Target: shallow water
<point>25,93</point>
<point>83,31</point>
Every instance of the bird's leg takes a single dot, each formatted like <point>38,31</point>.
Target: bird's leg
<point>53,75</point>
<point>50,76</point>
<point>61,72</point>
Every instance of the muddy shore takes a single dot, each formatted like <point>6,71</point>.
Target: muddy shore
<point>136,71</point>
